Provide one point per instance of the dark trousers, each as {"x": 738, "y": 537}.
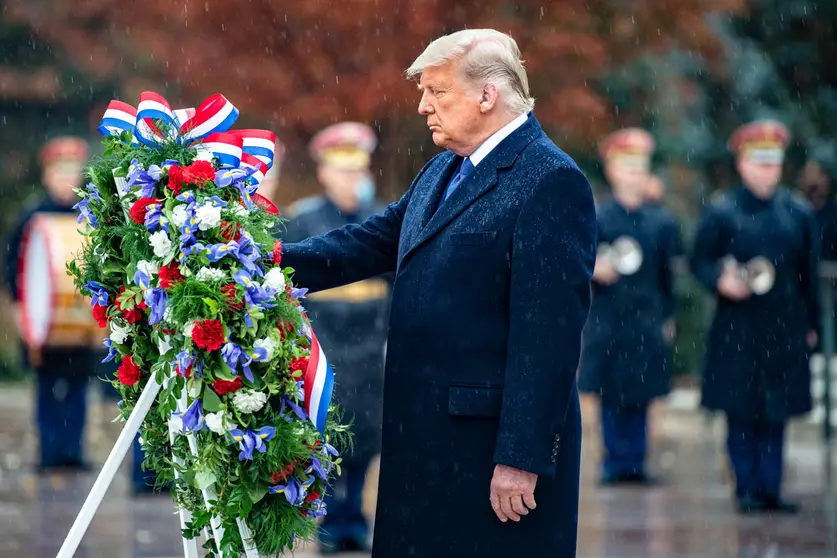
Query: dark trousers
{"x": 624, "y": 437}
{"x": 344, "y": 518}
{"x": 61, "y": 411}
{"x": 755, "y": 451}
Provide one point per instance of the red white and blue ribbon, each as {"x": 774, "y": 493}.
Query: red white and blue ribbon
{"x": 252, "y": 162}
{"x": 154, "y": 122}
{"x": 318, "y": 384}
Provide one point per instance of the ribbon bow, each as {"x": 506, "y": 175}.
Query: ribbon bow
{"x": 208, "y": 127}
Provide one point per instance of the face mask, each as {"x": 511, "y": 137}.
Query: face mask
{"x": 365, "y": 191}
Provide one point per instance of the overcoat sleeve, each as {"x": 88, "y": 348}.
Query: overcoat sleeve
{"x": 672, "y": 248}
{"x": 553, "y": 256}
{"x": 13, "y": 251}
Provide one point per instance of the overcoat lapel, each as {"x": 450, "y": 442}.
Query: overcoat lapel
{"x": 477, "y": 184}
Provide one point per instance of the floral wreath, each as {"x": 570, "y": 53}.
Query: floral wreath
{"x": 180, "y": 262}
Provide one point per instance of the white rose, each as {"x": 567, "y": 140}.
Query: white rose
{"x": 204, "y": 154}
{"x": 219, "y": 423}
{"x": 149, "y": 268}
{"x": 267, "y": 344}
{"x": 274, "y": 279}
{"x": 208, "y": 216}
{"x": 164, "y": 345}
{"x": 187, "y": 331}
{"x": 249, "y": 401}
{"x": 161, "y": 244}
{"x": 207, "y": 274}
{"x": 118, "y": 334}
{"x": 179, "y": 215}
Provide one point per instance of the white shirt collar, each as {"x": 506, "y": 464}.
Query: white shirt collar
{"x": 494, "y": 140}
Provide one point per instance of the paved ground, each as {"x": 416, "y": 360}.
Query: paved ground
{"x": 689, "y": 517}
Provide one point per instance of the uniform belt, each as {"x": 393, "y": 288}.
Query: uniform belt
{"x": 361, "y": 291}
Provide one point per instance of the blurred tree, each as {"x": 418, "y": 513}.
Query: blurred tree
{"x": 300, "y": 65}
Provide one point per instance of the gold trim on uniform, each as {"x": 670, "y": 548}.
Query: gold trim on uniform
{"x": 361, "y": 291}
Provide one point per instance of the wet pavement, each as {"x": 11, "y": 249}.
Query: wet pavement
{"x": 689, "y": 516}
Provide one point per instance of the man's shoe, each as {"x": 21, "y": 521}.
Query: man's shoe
{"x": 776, "y": 504}
{"x": 750, "y": 504}
{"x": 643, "y": 479}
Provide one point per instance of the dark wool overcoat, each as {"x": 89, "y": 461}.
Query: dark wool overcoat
{"x": 491, "y": 293}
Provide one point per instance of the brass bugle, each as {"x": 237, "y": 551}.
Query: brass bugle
{"x": 758, "y": 273}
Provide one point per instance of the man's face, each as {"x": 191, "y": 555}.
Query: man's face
{"x": 760, "y": 178}
{"x": 451, "y": 107}
{"x": 60, "y": 178}
{"x": 627, "y": 176}
{"x": 340, "y": 183}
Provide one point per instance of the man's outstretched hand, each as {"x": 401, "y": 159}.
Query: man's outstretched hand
{"x": 512, "y": 492}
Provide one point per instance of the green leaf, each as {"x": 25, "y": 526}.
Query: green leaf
{"x": 189, "y": 476}
{"x": 257, "y": 492}
{"x": 204, "y": 479}
{"x": 211, "y": 304}
{"x": 211, "y": 401}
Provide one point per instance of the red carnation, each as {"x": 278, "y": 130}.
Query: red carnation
{"x": 133, "y": 315}
{"x": 140, "y": 208}
{"x": 299, "y": 366}
{"x": 170, "y": 275}
{"x": 100, "y": 314}
{"x": 128, "y": 373}
{"x": 199, "y": 173}
{"x": 280, "y": 476}
{"x": 223, "y": 387}
{"x": 208, "y": 334}
{"x": 175, "y": 179}
{"x": 232, "y": 296}
{"x": 313, "y": 495}
{"x": 230, "y": 231}
{"x": 277, "y": 252}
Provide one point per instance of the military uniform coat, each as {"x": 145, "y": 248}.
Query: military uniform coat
{"x": 756, "y": 364}
{"x": 625, "y": 358}
{"x": 351, "y": 325}
{"x": 491, "y": 294}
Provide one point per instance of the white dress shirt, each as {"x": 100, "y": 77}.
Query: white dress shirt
{"x": 494, "y": 140}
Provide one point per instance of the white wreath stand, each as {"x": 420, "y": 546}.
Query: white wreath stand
{"x": 111, "y": 466}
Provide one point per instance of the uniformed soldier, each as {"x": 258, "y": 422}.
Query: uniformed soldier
{"x": 814, "y": 182}
{"x": 350, "y": 321}
{"x": 62, "y": 374}
{"x": 756, "y": 250}
{"x": 624, "y": 352}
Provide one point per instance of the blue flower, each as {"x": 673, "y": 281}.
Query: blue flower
{"x": 184, "y": 361}
{"x": 298, "y": 411}
{"x": 139, "y": 177}
{"x": 154, "y": 218}
{"x": 156, "y": 300}
{"x": 85, "y": 215}
{"x": 292, "y": 490}
{"x": 234, "y": 355}
{"x": 156, "y": 171}
{"x": 298, "y": 293}
{"x": 193, "y": 417}
{"x": 142, "y": 280}
{"x": 225, "y": 177}
{"x": 111, "y": 351}
{"x": 316, "y": 467}
{"x": 93, "y": 193}
{"x": 249, "y": 441}
{"x": 98, "y": 293}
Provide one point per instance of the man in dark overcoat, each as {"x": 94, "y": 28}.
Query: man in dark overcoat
{"x": 625, "y": 355}
{"x": 756, "y": 250}
{"x": 63, "y": 374}
{"x": 493, "y": 247}
{"x": 351, "y": 321}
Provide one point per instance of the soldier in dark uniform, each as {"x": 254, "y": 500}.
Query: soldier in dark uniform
{"x": 756, "y": 250}
{"x": 62, "y": 374}
{"x": 625, "y": 353}
{"x": 351, "y": 321}
{"x": 814, "y": 183}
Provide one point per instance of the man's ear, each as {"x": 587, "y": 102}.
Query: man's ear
{"x": 489, "y": 98}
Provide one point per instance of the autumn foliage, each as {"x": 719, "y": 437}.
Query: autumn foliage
{"x": 302, "y": 64}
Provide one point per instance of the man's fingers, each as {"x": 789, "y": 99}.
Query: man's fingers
{"x": 506, "y": 506}
{"x": 529, "y": 500}
{"x": 517, "y": 505}
{"x": 495, "y": 505}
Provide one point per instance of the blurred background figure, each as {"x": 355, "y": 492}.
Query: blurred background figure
{"x": 756, "y": 248}
{"x": 655, "y": 189}
{"x": 62, "y": 373}
{"x": 814, "y": 182}
{"x": 351, "y": 321}
{"x": 625, "y": 346}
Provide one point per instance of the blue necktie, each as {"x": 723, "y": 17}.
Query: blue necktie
{"x": 464, "y": 170}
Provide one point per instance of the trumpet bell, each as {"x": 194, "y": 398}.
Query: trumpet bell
{"x": 761, "y": 275}
{"x": 626, "y": 255}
